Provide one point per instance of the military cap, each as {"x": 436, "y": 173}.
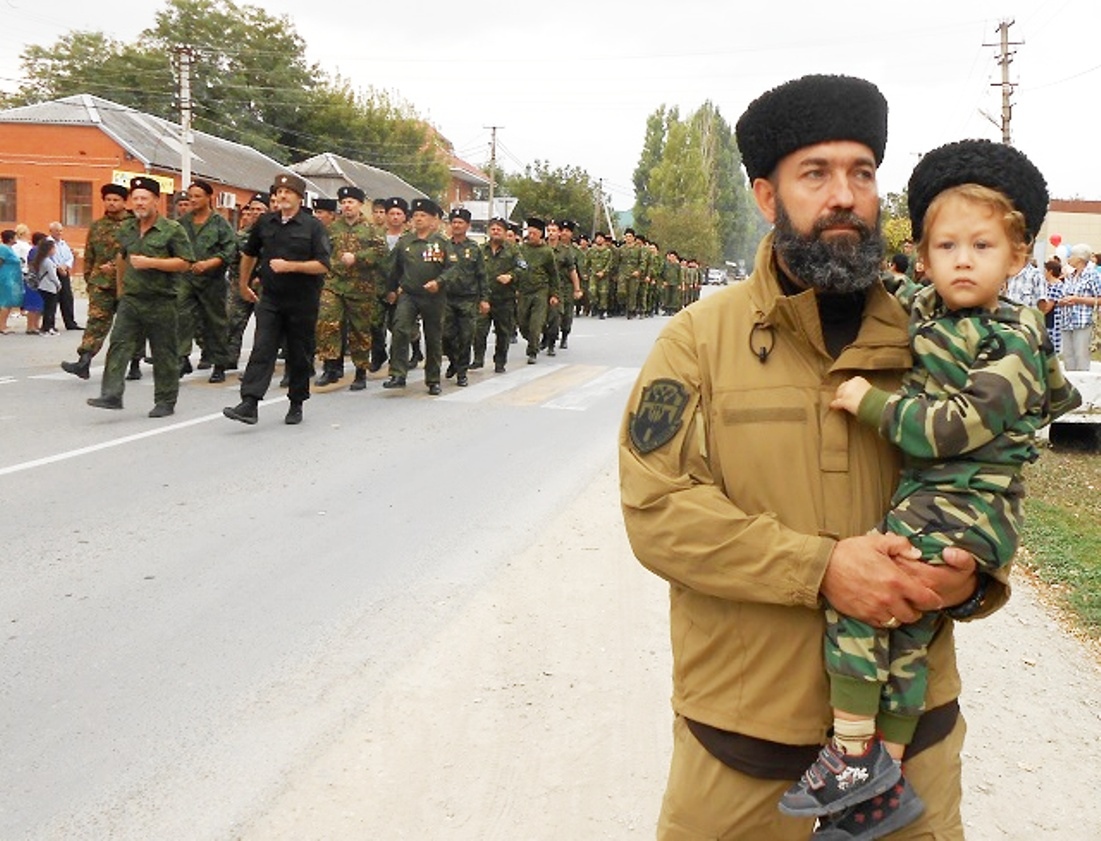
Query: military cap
{"x": 144, "y": 183}
{"x": 536, "y": 222}
{"x": 994, "y": 165}
{"x": 325, "y": 204}
{"x": 806, "y": 111}
{"x": 262, "y": 198}
{"x": 350, "y": 191}
{"x": 568, "y": 224}
{"x": 113, "y": 190}
{"x": 398, "y": 202}
{"x": 459, "y": 213}
{"x": 497, "y": 220}
{"x": 205, "y": 186}
{"x": 516, "y": 228}
{"x": 291, "y": 182}
{"x": 426, "y": 206}
{"x": 180, "y": 196}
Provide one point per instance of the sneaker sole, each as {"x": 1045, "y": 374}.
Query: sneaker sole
{"x": 904, "y": 816}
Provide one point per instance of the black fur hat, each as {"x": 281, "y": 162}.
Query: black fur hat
{"x": 813, "y": 109}
{"x": 994, "y": 165}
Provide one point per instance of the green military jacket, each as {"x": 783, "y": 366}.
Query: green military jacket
{"x": 565, "y": 260}
{"x": 540, "y": 271}
{"x": 417, "y": 261}
{"x": 469, "y": 279}
{"x": 235, "y": 266}
{"x": 214, "y": 238}
{"x": 164, "y": 239}
{"x": 630, "y": 260}
{"x": 367, "y": 241}
{"x": 506, "y": 260}
{"x": 102, "y": 247}
{"x": 600, "y": 262}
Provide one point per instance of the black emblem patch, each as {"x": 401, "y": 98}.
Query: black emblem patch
{"x": 659, "y": 414}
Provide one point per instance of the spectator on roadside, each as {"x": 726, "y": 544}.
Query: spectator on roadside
{"x": 32, "y": 298}
{"x": 11, "y": 280}
{"x": 43, "y": 270}
{"x": 1053, "y": 273}
{"x": 1075, "y": 298}
{"x": 63, "y": 259}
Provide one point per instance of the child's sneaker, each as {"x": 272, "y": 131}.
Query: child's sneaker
{"x": 837, "y": 780}
{"x": 882, "y": 815}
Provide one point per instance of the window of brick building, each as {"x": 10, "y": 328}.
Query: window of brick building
{"x": 76, "y": 204}
{"x": 7, "y": 202}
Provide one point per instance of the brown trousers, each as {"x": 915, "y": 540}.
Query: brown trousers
{"x": 708, "y": 801}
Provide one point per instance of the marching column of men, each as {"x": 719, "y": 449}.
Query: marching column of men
{"x": 334, "y": 280}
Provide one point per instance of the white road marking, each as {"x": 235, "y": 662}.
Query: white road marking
{"x": 118, "y": 442}
{"x": 8, "y": 380}
{"x": 581, "y": 398}
{"x": 500, "y": 383}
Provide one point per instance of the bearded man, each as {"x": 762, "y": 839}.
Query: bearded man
{"x": 754, "y": 500}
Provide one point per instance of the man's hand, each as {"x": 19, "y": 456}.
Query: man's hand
{"x": 432, "y": 286}
{"x": 279, "y": 265}
{"x": 391, "y": 297}
{"x": 504, "y": 279}
{"x": 553, "y": 301}
{"x": 869, "y": 578}
{"x": 248, "y": 294}
{"x": 483, "y": 307}
{"x": 348, "y": 258}
{"x": 954, "y": 581}
{"x": 140, "y": 261}
{"x": 850, "y": 393}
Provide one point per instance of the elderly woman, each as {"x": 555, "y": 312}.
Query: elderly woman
{"x": 1075, "y": 298}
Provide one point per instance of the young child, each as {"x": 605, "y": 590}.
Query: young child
{"x": 985, "y": 379}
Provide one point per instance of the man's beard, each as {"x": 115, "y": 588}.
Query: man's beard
{"x": 839, "y": 264}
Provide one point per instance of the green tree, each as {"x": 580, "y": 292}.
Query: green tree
{"x": 894, "y": 220}
{"x": 562, "y": 193}
{"x": 652, "y": 147}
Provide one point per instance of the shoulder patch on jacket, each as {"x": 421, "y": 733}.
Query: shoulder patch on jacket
{"x": 658, "y": 419}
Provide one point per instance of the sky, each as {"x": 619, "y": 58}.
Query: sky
{"x": 572, "y": 83}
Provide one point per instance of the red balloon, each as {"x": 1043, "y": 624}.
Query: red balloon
{"x": 1055, "y": 239}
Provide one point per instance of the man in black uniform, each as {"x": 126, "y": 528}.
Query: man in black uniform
{"x": 293, "y": 250}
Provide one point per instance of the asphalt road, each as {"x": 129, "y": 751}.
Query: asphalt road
{"x": 192, "y": 606}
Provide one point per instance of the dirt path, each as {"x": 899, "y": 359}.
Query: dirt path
{"x": 542, "y": 713}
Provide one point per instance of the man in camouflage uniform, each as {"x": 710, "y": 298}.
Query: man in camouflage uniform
{"x": 600, "y": 272}
{"x": 238, "y": 310}
{"x": 502, "y": 262}
{"x": 153, "y": 250}
{"x": 202, "y": 291}
{"x": 395, "y": 217}
{"x": 670, "y": 283}
{"x": 100, "y": 251}
{"x": 467, "y": 296}
{"x": 350, "y": 293}
{"x": 570, "y": 301}
{"x": 565, "y": 260}
{"x": 630, "y": 273}
{"x": 417, "y": 282}
{"x": 538, "y": 285}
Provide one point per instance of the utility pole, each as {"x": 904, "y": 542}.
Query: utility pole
{"x": 598, "y": 197}
{"x": 184, "y": 54}
{"x": 492, "y": 166}
{"x": 1005, "y": 57}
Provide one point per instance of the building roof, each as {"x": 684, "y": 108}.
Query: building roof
{"x": 331, "y": 172}
{"x": 155, "y": 142}
{"x": 463, "y": 171}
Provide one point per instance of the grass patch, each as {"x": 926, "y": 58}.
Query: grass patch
{"x": 1062, "y": 534}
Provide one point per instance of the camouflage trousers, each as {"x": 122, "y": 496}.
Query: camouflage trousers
{"x": 102, "y": 303}
{"x": 201, "y": 300}
{"x": 598, "y": 293}
{"x": 671, "y": 297}
{"x": 339, "y": 311}
{"x": 884, "y": 673}
{"x": 238, "y": 312}
{"x": 136, "y": 320}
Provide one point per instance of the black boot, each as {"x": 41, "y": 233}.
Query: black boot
{"x": 294, "y": 413}
{"x": 218, "y": 375}
{"x": 245, "y": 411}
{"x": 81, "y": 368}
{"x": 331, "y": 372}
{"x": 134, "y": 373}
{"x": 185, "y": 366}
{"x": 360, "y": 382}
{"x": 564, "y": 344}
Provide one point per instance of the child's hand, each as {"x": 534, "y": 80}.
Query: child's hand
{"x": 850, "y": 393}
